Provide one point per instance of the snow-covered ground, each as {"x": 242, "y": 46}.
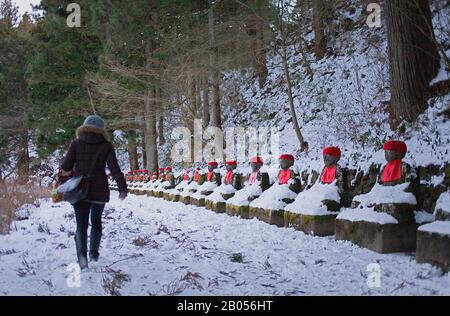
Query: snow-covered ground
{"x": 155, "y": 247}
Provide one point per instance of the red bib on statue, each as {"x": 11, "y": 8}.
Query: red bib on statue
{"x": 253, "y": 177}
{"x": 186, "y": 177}
{"x": 392, "y": 171}
{"x": 229, "y": 177}
{"x": 284, "y": 176}
{"x": 210, "y": 176}
{"x": 196, "y": 176}
{"x": 329, "y": 174}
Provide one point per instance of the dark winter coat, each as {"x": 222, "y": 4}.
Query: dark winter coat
{"x": 80, "y": 157}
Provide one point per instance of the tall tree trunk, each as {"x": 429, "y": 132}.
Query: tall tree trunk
{"x": 206, "y": 108}
{"x": 106, "y": 7}
{"x": 23, "y": 163}
{"x": 255, "y": 30}
{"x": 150, "y": 133}
{"x": 142, "y": 144}
{"x": 413, "y": 56}
{"x": 319, "y": 14}
{"x": 216, "y": 119}
{"x": 150, "y": 117}
{"x": 301, "y": 139}
{"x": 132, "y": 150}
{"x": 161, "y": 137}
{"x": 193, "y": 106}
{"x": 261, "y": 61}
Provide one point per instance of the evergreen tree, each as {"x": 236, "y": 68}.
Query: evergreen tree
{"x": 56, "y": 75}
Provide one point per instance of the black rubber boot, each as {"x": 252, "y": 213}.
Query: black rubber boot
{"x": 81, "y": 245}
{"x": 96, "y": 237}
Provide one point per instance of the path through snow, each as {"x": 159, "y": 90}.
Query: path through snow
{"x": 155, "y": 247}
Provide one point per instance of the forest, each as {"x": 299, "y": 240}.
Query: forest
{"x": 253, "y": 147}
{"x": 148, "y": 66}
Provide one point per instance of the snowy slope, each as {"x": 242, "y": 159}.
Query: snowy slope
{"x": 189, "y": 250}
{"x": 344, "y": 104}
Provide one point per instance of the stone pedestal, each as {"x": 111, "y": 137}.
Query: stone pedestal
{"x": 197, "y": 202}
{"x": 167, "y": 196}
{"x": 271, "y": 217}
{"x": 218, "y": 207}
{"x": 242, "y": 211}
{"x": 381, "y": 238}
{"x": 174, "y": 197}
{"x": 254, "y": 212}
{"x": 140, "y": 192}
{"x": 403, "y": 213}
{"x": 311, "y": 224}
{"x": 185, "y": 199}
{"x": 158, "y": 194}
{"x": 434, "y": 248}
{"x": 208, "y": 204}
{"x": 149, "y": 192}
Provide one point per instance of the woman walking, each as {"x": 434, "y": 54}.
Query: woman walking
{"x": 89, "y": 153}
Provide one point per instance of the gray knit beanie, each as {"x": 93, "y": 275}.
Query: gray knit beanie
{"x": 94, "y": 120}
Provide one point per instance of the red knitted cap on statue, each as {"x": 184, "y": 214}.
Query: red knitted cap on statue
{"x": 287, "y": 157}
{"x": 257, "y": 159}
{"x": 231, "y": 163}
{"x": 160, "y": 169}
{"x": 332, "y": 151}
{"x": 213, "y": 163}
{"x": 397, "y": 146}
{"x": 145, "y": 171}
{"x": 168, "y": 168}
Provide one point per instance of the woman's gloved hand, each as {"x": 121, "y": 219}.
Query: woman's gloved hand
{"x": 123, "y": 195}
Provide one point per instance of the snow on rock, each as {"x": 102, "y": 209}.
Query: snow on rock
{"x": 216, "y": 196}
{"x": 191, "y": 186}
{"x": 166, "y": 248}
{"x": 443, "y": 73}
{"x": 438, "y": 227}
{"x": 443, "y": 203}
{"x": 165, "y": 184}
{"x": 424, "y": 217}
{"x": 272, "y": 198}
{"x": 434, "y": 181}
{"x": 310, "y": 202}
{"x": 154, "y": 185}
{"x": 381, "y": 194}
{"x": 241, "y": 198}
{"x": 182, "y": 186}
{"x": 367, "y": 215}
{"x": 205, "y": 187}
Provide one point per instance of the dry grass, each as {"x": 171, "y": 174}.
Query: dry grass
{"x": 13, "y": 196}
